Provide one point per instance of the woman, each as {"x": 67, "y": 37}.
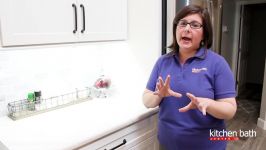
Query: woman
{"x": 201, "y": 92}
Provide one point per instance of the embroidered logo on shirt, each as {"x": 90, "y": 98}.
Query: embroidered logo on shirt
{"x": 198, "y": 70}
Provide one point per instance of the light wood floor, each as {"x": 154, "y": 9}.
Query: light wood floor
{"x": 246, "y": 119}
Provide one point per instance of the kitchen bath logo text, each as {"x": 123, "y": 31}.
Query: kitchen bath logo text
{"x": 227, "y": 135}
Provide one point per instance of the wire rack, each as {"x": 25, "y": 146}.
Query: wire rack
{"x": 25, "y": 108}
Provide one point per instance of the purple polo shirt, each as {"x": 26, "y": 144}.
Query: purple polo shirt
{"x": 208, "y": 75}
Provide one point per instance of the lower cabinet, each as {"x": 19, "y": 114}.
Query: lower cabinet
{"x": 141, "y": 135}
{"x": 148, "y": 144}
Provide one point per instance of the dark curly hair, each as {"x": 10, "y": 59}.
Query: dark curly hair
{"x": 206, "y": 22}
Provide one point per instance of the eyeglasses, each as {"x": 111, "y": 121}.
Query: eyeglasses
{"x": 193, "y": 24}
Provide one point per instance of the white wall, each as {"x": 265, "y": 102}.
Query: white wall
{"x": 57, "y": 69}
{"x": 145, "y": 31}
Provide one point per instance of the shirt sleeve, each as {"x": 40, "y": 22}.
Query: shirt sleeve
{"x": 224, "y": 84}
{"x": 151, "y": 85}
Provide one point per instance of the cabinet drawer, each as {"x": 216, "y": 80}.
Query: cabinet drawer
{"x": 147, "y": 144}
{"x": 133, "y": 135}
{"x": 140, "y": 142}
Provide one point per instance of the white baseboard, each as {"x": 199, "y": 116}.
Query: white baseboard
{"x": 261, "y": 123}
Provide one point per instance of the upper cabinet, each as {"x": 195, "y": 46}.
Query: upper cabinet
{"x": 30, "y": 22}
{"x": 104, "y": 19}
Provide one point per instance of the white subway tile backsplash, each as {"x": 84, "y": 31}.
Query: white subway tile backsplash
{"x": 60, "y": 69}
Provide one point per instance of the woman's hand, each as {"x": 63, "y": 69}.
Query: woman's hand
{"x": 163, "y": 88}
{"x": 152, "y": 99}
{"x": 197, "y": 102}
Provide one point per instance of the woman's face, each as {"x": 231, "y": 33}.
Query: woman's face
{"x": 189, "y": 36}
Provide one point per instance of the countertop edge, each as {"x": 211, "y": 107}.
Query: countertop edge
{"x": 102, "y": 135}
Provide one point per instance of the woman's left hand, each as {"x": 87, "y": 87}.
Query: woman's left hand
{"x": 197, "y": 102}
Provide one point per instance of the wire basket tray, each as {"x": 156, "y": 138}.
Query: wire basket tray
{"x": 25, "y": 108}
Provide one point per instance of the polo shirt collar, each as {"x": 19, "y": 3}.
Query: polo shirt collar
{"x": 201, "y": 53}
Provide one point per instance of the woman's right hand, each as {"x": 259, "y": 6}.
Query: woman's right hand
{"x": 163, "y": 89}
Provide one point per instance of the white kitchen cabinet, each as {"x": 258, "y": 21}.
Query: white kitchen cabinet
{"x": 104, "y": 20}
{"x": 141, "y": 135}
{"x": 29, "y": 22}
{"x": 25, "y": 22}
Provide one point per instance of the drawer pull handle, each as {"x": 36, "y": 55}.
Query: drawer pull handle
{"x": 83, "y": 16}
{"x": 123, "y": 143}
{"x": 75, "y": 18}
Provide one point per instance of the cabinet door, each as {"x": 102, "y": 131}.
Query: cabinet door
{"x": 104, "y": 20}
{"x": 148, "y": 144}
{"x": 26, "y": 22}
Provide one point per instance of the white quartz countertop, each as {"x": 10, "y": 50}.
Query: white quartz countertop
{"x": 72, "y": 126}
